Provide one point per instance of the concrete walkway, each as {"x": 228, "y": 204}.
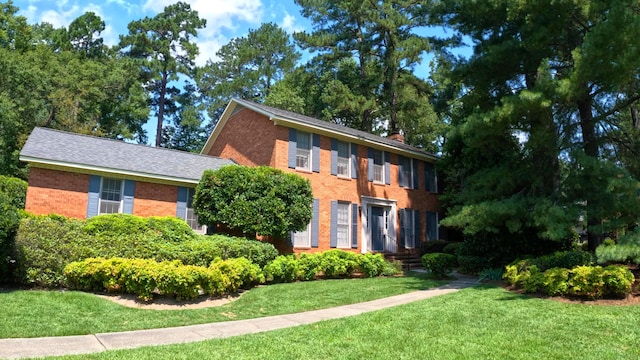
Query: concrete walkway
{"x": 85, "y": 344}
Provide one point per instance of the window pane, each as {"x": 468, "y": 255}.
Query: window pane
{"x": 343, "y": 225}
{"x": 378, "y": 166}
{"x": 110, "y": 196}
{"x": 190, "y": 215}
{"x": 302, "y": 238}
{"x": 303, "y": 151}
{"x": 408, "y": 229}
{"x": 343, "y": 158}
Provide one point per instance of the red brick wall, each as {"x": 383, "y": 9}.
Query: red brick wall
{"x": 155, "y": 199}
{"x": 252, "y": 139}
{"x": 247, "y": 138}
{"x": 57, "y": 192}
{"x": 66, "y": 193}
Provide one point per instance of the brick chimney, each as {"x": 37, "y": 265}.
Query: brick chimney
{"x": 396, "y": 136}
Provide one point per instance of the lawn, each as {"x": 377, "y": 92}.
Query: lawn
{"x": 476, "y": 323}
{"x": 34, "y": 313}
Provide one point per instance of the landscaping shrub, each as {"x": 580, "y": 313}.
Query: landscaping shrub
{"x": 243, "y": 274}
{"x": 627, "y": 250}
{"x": 309, "y": 266}
{"x": 371, "y": 265}
{"x": 563, "y": 259}
{"x": 433, "y": 246}
{"x": 452, "y": 248}
{"x": 259, "y": 252}
{"x": 331, "y": 264}
{"x": 144, "y": 277}
{"x": 336, "y": 264}
{"x": 9, "y": 221}
{"x": 12, "y": 197}
{"x": 471, "y": 264}
{"x": 15, "y": 189}
{"x": 118, "y": 225}
{"x": 581, "y": 281}
{"x": 285, "y": 268}
{"x": 255, "y": 200}
{"x": 439, "y": 264}
{"x": 45, "y": 244}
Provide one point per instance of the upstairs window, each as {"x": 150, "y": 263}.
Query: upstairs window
{"x": 430, "y": 178}
{"x": 378, "y": 166}
{"x": 343, "y": 159}
{"x": 303, "y": 151}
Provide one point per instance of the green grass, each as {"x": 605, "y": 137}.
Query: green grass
{"x": 476, "y": 323}
{"x": 31, "y": 313}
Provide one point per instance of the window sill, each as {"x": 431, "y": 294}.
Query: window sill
{"x": 306, "y": 171}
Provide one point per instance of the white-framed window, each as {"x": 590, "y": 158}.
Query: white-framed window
{"x": 110, "y": 196}
{"x": 343, "y": 225}
{"x": 303, "y": 151}
{"x": 190, "y": 215}
{"x": 344, "y": 159}
{"x": 378, "y": 166}
{"x": 302, "y": 239}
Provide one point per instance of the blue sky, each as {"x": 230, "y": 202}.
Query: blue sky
{"x": 226, "y": 19}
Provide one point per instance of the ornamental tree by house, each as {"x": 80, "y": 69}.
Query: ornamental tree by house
{"x": 255, "y": 200}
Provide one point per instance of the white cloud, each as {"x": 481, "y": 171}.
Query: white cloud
{"x": 289, "y": 25}
{"x": 59, "y": 18}
{"x": 218, "y": 13}
{"x": 221, "y": 15}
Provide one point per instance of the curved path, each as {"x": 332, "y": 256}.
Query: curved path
{"x": 85, "y": 344}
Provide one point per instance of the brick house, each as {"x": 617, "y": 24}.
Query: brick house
{"x": 370, "y": 193}
{"x": 81, "y": 176}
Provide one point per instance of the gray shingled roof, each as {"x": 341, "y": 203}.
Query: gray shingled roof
{"x": 302, "y": 119}
{"x": 89, "y": 152}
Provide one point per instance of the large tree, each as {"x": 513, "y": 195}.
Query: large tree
{"x": 538, "y": 97}
{"x": 247, "y": 67}
{"x": 165, "y": 48}
{"x": 384, "y": 40}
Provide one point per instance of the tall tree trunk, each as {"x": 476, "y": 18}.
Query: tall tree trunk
{"x": 163, "y": 91}
{"x": 590, "y": 147}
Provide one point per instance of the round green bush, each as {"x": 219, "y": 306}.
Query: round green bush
{"x": 439, "y": 264}
{"x": 285, "y": 268}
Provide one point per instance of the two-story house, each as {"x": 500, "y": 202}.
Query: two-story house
{"x": 371, "y": 193}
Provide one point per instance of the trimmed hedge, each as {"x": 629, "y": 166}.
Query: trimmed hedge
{"x": 15, "y": 189}
{"x": 433, "y": 246}
{"x": 145, "y": 277}
{"x": 439, "y": 264}
{"x": 592, "y": 282}
{"x": 332, "y": 264}
{"x": 45, "y": 244}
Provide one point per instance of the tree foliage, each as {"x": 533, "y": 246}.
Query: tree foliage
{"x": 165, "y": 48}
{"x": 247, "y": 67}
{"x": 259, "y": 200}
{"x": 367, "y": 51}
{"x": 538, "y": 105}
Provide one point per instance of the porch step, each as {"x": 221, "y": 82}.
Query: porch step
{"x": 409, "y": 261}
